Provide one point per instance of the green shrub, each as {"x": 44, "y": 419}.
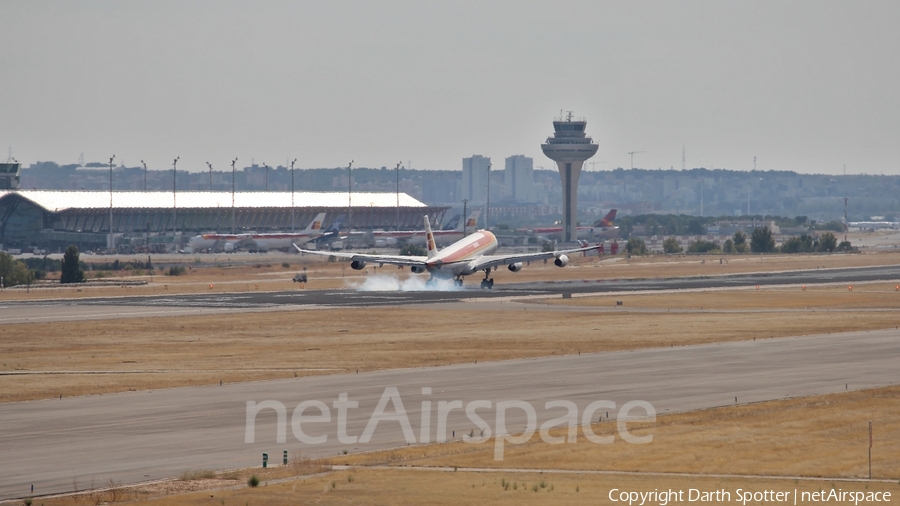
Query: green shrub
{"x": 176, "y": 270}
{"x": 703, "y": 247}
{"x": 70, "y": 267}
{"x": 636, "y": 247}
{"x": 253, "y": 481}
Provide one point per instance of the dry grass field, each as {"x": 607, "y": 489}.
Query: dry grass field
{"x": 41, "y": 360}
{"x": 371, "y": 487}
{"x": 823, "y": 436}
{"x": 267, "y": 273}
{"x": 870, "y": 296}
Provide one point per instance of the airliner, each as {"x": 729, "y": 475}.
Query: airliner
{"x": 466, "y": 256}
{"x": 603, "y": 229}
{"x": 873, "y": 225}
{"x": 278, "y": 240}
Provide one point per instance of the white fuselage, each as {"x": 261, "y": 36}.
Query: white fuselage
{"x": 259, "y": 241}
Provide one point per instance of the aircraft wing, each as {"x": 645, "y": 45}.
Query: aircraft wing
{"x": 363, "y": 257}
{"x": 486, "y": 261}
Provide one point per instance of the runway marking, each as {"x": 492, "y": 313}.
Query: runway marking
{"x": 170, "y": 371}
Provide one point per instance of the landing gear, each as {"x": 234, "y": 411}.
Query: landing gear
{"x": 487, "y": 282}
{"x": 458, "y": 281}
{"x": 431, "y": 282}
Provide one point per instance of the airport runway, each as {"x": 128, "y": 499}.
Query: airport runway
{"x": 139, "y": 436}
{"x": 176, "y": 305}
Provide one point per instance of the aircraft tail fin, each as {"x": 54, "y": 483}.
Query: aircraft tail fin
{"x": 607, "y": 220}
{"x": 429, "y": 239}
{"x": 453, "y": 223}
{"x": 335, "y": 225}
{"x": 316, "y": 223}
{"x": 472, "y": 221}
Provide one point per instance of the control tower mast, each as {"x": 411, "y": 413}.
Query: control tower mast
{"x": 569, "y": 148}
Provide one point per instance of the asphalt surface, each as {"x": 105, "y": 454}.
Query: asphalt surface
{"x": 10, "y": 312}
{"x": 138, "y": 436}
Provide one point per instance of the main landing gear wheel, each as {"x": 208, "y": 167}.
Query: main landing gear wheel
{"x": 487, "y": 282}
{"x": 458, "y": 282}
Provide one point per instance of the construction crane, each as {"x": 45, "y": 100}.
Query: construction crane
{"x": 632, "y": 153}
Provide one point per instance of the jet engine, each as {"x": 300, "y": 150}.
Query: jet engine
{"x": 516, "y": 267}
{"x": 358, "y": 265}
{"x": 561, "y": 261}
{"x": 417, "y": 269}
{"x": 229, "y": 247}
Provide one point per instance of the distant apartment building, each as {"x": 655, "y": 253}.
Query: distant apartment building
{"x": 519, "y": 179}
{"x": 475, "y": 179}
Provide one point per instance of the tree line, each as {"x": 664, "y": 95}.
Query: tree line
{"x": 681, "y": 224}
{"x": 760, "y": 240}
{"x": 25, "y": 271}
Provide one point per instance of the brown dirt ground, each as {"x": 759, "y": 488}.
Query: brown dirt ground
{"x": 78, "y": 358}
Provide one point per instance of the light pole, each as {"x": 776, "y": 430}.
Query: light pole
{"x": 145, "y": 174}
{"x": 487, "y": 207}
{"x": 112, "y": 239}
{"x": 349, "y": 196}
{"x": 292, "y": 193}
{"x": 210, "y": 175}
{"x": 232, "y": 193}
{"x": 397, "y": 170}
{"x": 464, "y": 217}
{"x": 174, "y": 199}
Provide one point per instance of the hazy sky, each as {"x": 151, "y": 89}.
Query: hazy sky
{"x": 804, "y": 86}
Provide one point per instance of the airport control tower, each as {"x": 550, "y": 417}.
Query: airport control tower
{"x": 569, "y": 148}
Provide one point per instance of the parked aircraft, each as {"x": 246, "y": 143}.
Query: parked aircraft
{"x": 874, "y": 225}
{"x": 466, "y": 256}
{"x": 454, "y": 232}
{"x": 264, "y": 242}
{"x": 603, "y": 229}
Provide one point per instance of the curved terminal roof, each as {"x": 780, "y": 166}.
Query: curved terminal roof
{"x": 58, "y": 201}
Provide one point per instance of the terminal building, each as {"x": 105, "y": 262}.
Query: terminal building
{"x": 157, "y": 221}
